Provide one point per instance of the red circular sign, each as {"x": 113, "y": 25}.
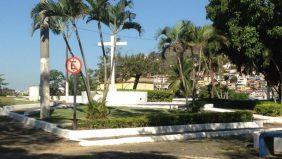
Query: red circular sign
{"x": 74, "y": 65}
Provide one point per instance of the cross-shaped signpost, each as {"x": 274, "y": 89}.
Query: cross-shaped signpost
{"x": 111, "y": 44}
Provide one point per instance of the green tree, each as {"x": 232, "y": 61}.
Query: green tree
{"x": 72, "y": 11}
{"x": 254, "y": 32}
{"x": 98, "y": 11}
{"x": 56, "y": 82}
{"x": 177, "y": 40}
{"x": 80, "y": 84}
{"x": 118, "y": 18}
{"x": 175, "y": 78}
{"x": 137, "y": 66}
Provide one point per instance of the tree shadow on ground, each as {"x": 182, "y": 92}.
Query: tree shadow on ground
{"x": 13, "y": 133}
{"x": 18, "y": 153}
{"x": 240, "y": 147}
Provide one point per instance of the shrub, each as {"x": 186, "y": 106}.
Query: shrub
{"x": 195, "y": 106}
{"x": 238, "y": 96}
{"x": 139, "y": 121}
{"x": 269, "y": 109}
{"x": 234, "y": 104}
{"x": 178, "y": 118}
{"x": 160, "y": 96}
{"x": 205, "y": 93}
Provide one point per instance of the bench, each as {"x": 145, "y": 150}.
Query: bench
{"x": 266, "y": 142}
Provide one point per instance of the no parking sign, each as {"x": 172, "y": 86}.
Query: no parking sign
{"x": 74, "y": 65}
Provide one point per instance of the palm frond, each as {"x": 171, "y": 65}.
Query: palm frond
{"x": 133, "y": 25}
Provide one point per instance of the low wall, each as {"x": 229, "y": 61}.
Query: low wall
{"x": 48, "y": 127}
{"x": 119, "y": 98}
{"x": 172, "y": 137}
{"x": 67, "y": 99}
{"x": 103, "y": 133}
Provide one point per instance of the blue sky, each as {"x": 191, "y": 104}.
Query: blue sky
{"x": 19, "y": 60}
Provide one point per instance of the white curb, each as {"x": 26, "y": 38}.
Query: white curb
{"x": 174, "y": 137}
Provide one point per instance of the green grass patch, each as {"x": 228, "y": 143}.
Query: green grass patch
{"x": 6, "y": 101}
{"x": 66, "y": 115}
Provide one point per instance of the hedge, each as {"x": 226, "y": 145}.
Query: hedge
{"x": 168, "y": 119}
{"x": 160, "y": 96}
{"x": 269, "y": 109}
{"x": 234, "y": 104}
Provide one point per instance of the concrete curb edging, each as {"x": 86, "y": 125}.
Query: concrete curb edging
{"x": 103, "y": 133}
{"x": 48, "y": 127}
{"x": 153, "y": 134}
{"x": 174, "y": 137}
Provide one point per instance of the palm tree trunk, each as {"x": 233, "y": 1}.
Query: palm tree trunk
{"x": 104, "y": 60}
{"x": 88, "y": 91}
{"x": 44, "y": 70}
{"x": 136, "y": 81}
{"x": 67, "y": 77}
{"x": 279, "y": 85}
{"x": 182, "y": 78}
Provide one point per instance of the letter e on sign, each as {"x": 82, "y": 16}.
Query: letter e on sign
{"x": 74, "y": 65}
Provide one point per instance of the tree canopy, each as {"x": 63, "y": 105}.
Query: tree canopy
{"x": 254, "y": 32}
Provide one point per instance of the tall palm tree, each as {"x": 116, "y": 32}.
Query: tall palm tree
{"x": 118, "y": 18}
{"x": 98, "y": 11}
{"x": 201, "y": 38}
{"x": 177, "y": 40}
{"x": 72, "y": 11}
{"x": 41, "y": 21}
{"x": 212, "y": 44}
{"x": 175, "y": 79}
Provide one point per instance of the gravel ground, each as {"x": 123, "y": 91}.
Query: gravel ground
{"x": 19, "y": 142}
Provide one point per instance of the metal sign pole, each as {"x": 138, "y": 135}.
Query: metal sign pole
{"x": 74, "y": 65}
{"x": 74, "y": 101}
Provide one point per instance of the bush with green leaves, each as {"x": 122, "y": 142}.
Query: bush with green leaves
{"x": 269, "y": 109}
{"x": 195, "y": 106}
{"x": 205, "y": 93}
{"x": 176, "y": 118}
{"x": 233, "y": 104}
{"x": 238, "y": 96}
{"x": 160, "y": 96}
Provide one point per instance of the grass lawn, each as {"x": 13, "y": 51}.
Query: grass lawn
{"x": 4, "y": 101}
{"x": 65, "y": 115}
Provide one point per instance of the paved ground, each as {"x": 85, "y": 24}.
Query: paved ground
{"x": 19, "y": 142}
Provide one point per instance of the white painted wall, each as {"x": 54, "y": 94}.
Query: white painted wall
{"x": 33, "y": 93}
{"x": 68, "y": 99}
{"x": 117, "y": 98}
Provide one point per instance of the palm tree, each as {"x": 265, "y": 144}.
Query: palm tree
{"x": 212, "y": 47}
{"x": 41, "y": 21}
{"x": 118, "y": 18}
{"x": 98, "y": 11}
{"x": 200, "y": 39}
{"x": 70, "y": 10}
{"x": 177, "y": 39}
{"x": 74, "y": 10}
{"x": 175, "y": 79}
